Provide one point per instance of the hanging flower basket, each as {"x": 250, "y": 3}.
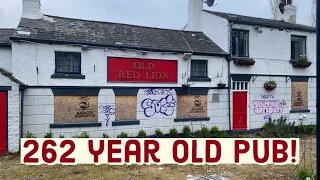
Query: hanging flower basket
{"x": 302, "y": 62}
{"x": 244, "y": 61}
{"x": 270, "y": 85}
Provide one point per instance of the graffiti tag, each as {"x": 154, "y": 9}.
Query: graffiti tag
{"x": 268, "y": 106}
{"x": 108, "y": 111}
{"x": 158, "y": 91}
{"x": 163, "y": 106}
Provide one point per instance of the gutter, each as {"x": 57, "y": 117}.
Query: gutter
{"x": 62, "y": 42}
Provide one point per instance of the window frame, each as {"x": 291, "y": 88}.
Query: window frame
{"x": 305, "y": 45}
{"x": 248, "y": 42}
{"x": 68, "y": 52}
{"x": 191, "y": 72}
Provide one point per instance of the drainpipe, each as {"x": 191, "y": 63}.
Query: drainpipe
{"x": 229, "y": 91}
{"x": 21, "y": 113}
{"x": 229, "y": 74}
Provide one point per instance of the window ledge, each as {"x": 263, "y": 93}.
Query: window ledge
{"x": 125, "y": 123}
{"x": 299, "y": 111}
{"x": 67, "y": 76}
{"x": 200, "y": 79}
{"x": 77, "y": 125}
{"x": 191, "y": 119}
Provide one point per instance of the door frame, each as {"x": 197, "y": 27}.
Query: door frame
{"x": 248, "y": 102}
{"x": 7, "y": 118}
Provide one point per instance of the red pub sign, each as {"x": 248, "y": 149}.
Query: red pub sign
{"x": 142, "y": 70}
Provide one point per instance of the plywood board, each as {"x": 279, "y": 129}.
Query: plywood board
{"x": 192, "y": 106}
{"x": 299, "y": 99}
{"x": 126, "y": 108}
{"x": 75, "y": 109}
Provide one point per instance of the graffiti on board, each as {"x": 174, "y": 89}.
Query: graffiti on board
{"x": 268, "y": 105}
{"x": 108, "y": 111}
{"x": 158, "y": 101}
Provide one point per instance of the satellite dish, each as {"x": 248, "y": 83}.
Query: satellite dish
{"x": 210, "y": 3}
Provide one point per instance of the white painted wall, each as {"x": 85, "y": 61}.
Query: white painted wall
{"x": 281, "y": 93}
{"x": 215, "y": 27}
{"x": 27, "y": 56}
{"x": 39, "y": 114}
{"x": 5, "y": 58}
{"x": 13, "y": 114}
{"x": 271, "y": 50}
{"x": 39, "y": 103}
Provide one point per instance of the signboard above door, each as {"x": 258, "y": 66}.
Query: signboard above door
{"x": 136, "y": 70}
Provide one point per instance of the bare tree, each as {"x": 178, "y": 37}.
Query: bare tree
{"x": 274, "y": 5}
{"x": 314, "y": 13}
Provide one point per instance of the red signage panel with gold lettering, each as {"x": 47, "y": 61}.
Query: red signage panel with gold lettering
{"x": 142, "y": 70}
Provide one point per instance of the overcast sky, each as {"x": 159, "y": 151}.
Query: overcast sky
{"x": 155, "y": 13}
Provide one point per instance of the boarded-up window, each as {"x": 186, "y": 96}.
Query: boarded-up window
{"x": 75, "y": 109}
{"x": 299, "y": 96}
{"x": 126, "y": 108}
{"x": 189, "y": 106}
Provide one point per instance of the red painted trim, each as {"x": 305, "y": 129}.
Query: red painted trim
{"x": 3, "y": 122}
{"x": 240, "y": 110}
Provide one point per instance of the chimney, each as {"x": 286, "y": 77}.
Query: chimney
{"x": 194, "y": 15}
{"x": 290, "y": 14}
{"x": 287, "y": 12}
{"x": 31, "y": 9}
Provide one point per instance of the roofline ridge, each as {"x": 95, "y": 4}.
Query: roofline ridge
{"x": 208, "y": 11}
{"x": 127, "y": 24}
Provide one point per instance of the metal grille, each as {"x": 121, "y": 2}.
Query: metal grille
{"x": 240, "y": 43}
{"x": 68, "y": 62}
{"x": 298, "y": 47}
{"x": 199, "y": 68}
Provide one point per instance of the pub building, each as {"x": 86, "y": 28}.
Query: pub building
{"x": 69, "y": 76}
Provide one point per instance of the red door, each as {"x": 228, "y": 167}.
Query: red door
{"x": 3, "y": 122}
{"x": 240, "y": 110}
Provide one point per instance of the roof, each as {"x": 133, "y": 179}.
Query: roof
{"x": 247, "y": 20}
{"x": 53, "y": 29}
{"x": 5, "y": 36}
{"x": 10, "y": 76}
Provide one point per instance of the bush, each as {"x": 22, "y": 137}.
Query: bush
{"x": 174, "y": 133}
{"x": 304, "y": 174}
{"x": 83, "y": 135}
{"x": 307, "y": 129}
{"x": 216, "y": 133}
{"x": 197, "y": 134}
{"x": 278, "y": 129}
{"x": 205, "y": 132}
{"x": 186, "y": 132}
{"x": 142, "y": 134}
{"x": 104, "y": 135}
{"x": 30, "y": 135}
{"x": 158, "y": 133}
{"x": 123, "y": 135}
{"x": 48, "y": 135}
{"x": 61, "y": 136}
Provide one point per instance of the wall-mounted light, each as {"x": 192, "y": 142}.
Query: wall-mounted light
{"x": 187, "y": 56}
{"x": 258, "y": 29}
